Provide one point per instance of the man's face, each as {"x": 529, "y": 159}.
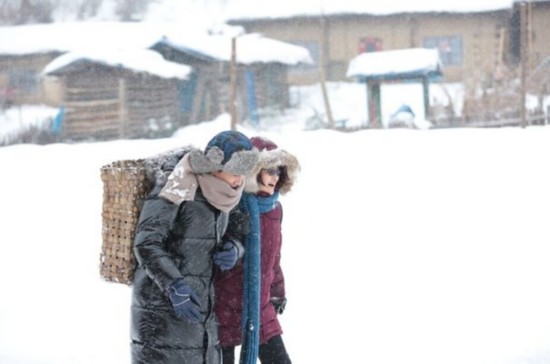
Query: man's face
{"x": 233, "y": 180}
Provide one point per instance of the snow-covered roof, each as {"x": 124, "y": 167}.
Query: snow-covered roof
{"x": 137, "y": 60}
{"x": 396, "y": 64}
{"x": 98, "y": 36}
{"x": 250, "y": 48}
{"x": 253, "y": 9}
{"x": 65, "y": 37}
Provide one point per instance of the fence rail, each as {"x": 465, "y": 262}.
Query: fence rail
{"x": 457, "y": 122}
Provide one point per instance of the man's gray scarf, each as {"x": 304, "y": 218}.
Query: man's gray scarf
{"x": 182, "y": 186}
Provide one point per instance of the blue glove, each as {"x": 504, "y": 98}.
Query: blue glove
{"x": 227, "y": 257}
{"x": 185, "y": 302}
{"x": 279, "y": 303}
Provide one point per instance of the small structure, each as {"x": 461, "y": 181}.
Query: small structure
{"x": 118, "y": 94}
{"x": 26, "y": 49}
{"x": 539, "y": 80}
{"x": 261, "y": 73}
{"x": 405, "y": 65}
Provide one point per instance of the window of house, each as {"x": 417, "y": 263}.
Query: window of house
{"x": 450, "y": 48}
{"x": 23, "y": 81}
{"x": 369, "y": 44}
{"x": 314, "y": 50}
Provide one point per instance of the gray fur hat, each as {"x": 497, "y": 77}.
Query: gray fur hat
{"x": 229, "y": 151}
{"x": 271, "y": 156}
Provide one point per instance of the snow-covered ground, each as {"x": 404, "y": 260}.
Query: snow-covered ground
{"x": 400, "y": 245}
{"x": 348, "y": 102}
{"x": 17, "y": 119}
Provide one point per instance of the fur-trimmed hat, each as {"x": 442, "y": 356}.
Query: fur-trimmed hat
{"x": 229, "y": 151}
{"x": 271, "y": 156}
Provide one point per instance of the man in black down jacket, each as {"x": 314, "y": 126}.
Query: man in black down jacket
{"x": 177, "y": 243}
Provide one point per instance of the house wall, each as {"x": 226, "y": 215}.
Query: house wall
{"x": 105, "y": 104}
{"x": 485, "y": 38}
{"x": 271, "y": 86}
{"x": 51, "y": 89}
{"x": 21, "y": 76}
{"x": 151, "y": 105}
{"x": 204, "y": 92}
{"x": 299, "y": 31}
{"x": 540, "y": 36}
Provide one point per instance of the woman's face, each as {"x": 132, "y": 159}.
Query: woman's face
{"x": 268, "y": 179}
{"x": 234, "y": 180}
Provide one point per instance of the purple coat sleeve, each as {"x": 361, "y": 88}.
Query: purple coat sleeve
{"x": 278, "y": 284}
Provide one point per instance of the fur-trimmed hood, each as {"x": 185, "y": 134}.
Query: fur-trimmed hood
{"x": 160, "y": 166}
{"x": 271, "y": 156}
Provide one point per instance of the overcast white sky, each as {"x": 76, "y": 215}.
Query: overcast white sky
{"x": 285, "y": 8}
{"x": 213, "y": 11}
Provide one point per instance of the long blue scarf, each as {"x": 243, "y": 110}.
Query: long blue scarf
{"x": 253, "y": 205}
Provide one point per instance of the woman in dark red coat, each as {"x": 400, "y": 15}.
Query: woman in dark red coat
{"x": 275, "y": 174}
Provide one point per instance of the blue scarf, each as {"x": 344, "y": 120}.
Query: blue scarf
{"x": 253, "y": 205}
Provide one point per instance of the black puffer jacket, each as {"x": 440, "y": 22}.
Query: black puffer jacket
{"x": 174, "y": 242}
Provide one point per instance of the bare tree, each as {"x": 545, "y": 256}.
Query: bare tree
{"x": 130, "y": 9}
{"x": 15, "y": 12}
{"x": 87, "y": 8}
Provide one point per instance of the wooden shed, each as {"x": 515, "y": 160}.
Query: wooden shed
{"x": 115, "y": 95}
{"x": 404, "y": 65}
{"x": 262, "y": 68}
{"x": 26, "y": 49}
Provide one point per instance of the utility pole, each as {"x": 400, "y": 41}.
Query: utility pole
{"x": 322, "y": 61}
{"x": 233, "y": 79}
{"x": 524, "y": 61}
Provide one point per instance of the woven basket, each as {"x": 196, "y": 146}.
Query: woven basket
{"x": 125, "y": 185}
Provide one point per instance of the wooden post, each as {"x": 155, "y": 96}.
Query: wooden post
{"x": 426, "y": 93}
{"x": 524, "y": 62}
{"x": 373, "y": 97}
{"x": 500, "y": 53}
{"x": 233, "y": 78}
{"x": 200, "y": 92}
{"x": 322, "y": 71}
{"x": 122, "y": 108}
{"x": 529, "y": 34}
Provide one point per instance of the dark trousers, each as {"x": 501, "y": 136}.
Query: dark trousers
{"x": 272, "y": 352}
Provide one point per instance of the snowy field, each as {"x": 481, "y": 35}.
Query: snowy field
{"x": 400, "y": 246}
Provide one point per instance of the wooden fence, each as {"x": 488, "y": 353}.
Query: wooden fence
{"x": 539, "y": 118}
